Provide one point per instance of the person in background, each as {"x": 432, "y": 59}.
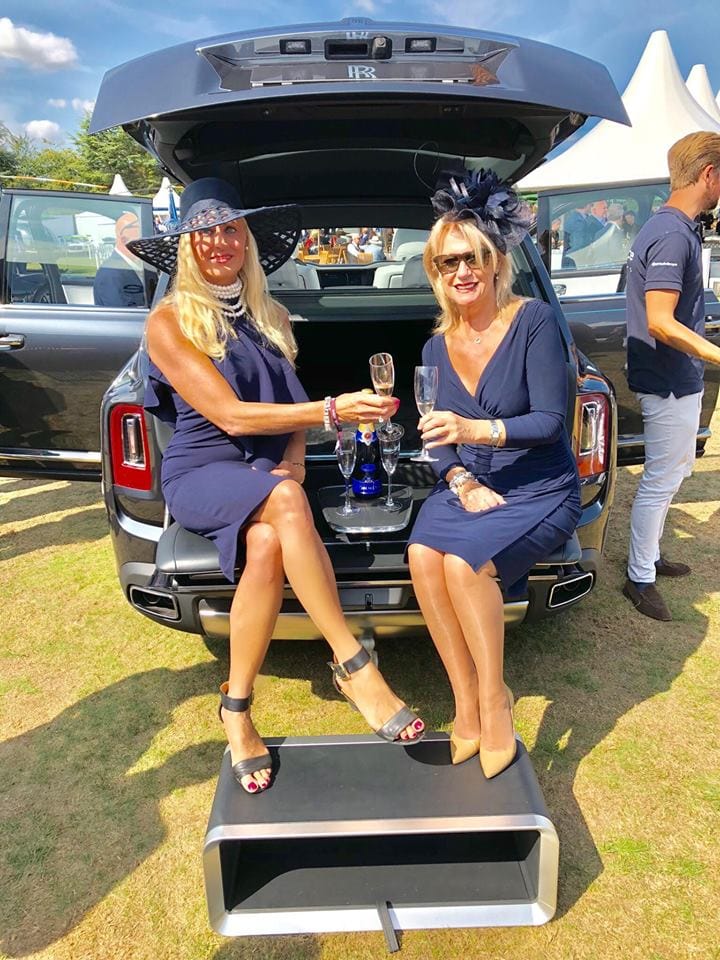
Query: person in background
{"x": 630, "y": 225}
{"x": 576, "y": 233}
{"x": 119, "y": 281}
{"x": 666, "y": 347}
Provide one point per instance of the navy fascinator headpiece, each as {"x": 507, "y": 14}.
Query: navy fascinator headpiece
{"x": 493, "y": 205}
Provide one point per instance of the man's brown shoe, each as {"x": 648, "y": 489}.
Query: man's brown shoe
{"x": 647, "y": 601}
{"x": 666, "y": 568}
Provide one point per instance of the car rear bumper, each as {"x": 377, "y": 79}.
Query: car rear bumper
{"x": 386, "y": 608}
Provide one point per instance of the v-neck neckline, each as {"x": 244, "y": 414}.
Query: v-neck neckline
{"x": 498, "y": 348}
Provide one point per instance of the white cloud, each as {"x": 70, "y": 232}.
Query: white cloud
{"x": 57, "y": 103}
{"x": 43, "y": 130}
{"x": 37, "y": 50}
{"x": 83, "y": 106}
{"x": 367, "y": 6}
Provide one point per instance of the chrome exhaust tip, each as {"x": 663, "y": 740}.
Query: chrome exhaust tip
{"x": 570, "y": 590}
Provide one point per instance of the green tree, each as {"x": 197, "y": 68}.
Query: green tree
{"x": 113, "y": 151}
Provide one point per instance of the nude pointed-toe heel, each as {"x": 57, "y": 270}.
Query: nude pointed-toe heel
{"x": 461, "y": 749}
{"x": 494, "y": 762}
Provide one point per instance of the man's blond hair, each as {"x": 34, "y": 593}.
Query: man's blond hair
{"x": 690, "y": 155}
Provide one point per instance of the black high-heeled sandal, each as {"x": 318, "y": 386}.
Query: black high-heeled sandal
{"x": 244, "y": 768}
{"x": 392, "y": 728}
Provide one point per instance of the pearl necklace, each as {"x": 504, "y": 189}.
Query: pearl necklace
{"x": 228, "y": 291}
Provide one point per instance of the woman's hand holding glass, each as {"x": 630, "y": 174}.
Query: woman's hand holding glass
{"x": 361, "y": 407}
{"x": 443, "y": 427}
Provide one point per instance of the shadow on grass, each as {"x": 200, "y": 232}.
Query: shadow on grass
{"x": 89, "y": 524}
{"x": 75, "y": 823}
{"x": 86, "y": 522}
{"x": 37, "y": 501}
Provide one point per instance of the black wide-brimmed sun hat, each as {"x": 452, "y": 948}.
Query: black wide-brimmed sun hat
{"x": 210, "y": 202}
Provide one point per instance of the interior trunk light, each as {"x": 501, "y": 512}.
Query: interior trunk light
{"x": 294, "y": 46}
{"x": 420, "y": 45}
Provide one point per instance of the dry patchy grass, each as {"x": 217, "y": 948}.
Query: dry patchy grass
{"x": 109, "y": 749}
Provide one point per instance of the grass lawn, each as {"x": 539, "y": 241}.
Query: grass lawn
{"x": 110, "y": 746}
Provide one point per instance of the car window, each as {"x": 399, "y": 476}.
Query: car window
{"x": 71, "y": 250}
{"x": 592, "y": 231}
{"x": 370, "y": 261}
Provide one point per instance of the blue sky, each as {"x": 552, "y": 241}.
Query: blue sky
{"x": 53, "y": 54}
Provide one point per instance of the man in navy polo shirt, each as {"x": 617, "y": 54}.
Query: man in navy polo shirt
{"x": 666, "y": 348}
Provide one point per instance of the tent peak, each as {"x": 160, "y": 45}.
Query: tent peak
{"x": 698, "y": 83}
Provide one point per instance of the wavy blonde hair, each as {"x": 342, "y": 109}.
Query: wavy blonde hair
{"x": 482, "y": 247}
{"x": 201, "y": 316}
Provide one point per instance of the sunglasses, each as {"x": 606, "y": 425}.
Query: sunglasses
{"x": 450, "y": 263}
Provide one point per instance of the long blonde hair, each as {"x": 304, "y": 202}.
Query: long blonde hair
{"x": 201, "y": 316}
{"x": 482, "y": 247}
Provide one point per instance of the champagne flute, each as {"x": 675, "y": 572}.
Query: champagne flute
{"x": 382, "y": 374}
{"x": 389, "y": 440}
{"x": 426, "y": 388}
{"x": 345, "y": 451}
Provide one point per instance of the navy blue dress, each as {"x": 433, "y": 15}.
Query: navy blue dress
{"x": 525, "y": 385}
{"x": 212, "y": 482}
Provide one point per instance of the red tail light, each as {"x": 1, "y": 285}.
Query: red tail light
{"x": 129, "y": 447}
{"x": 592, "y": 434}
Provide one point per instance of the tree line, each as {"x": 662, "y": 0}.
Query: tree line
{"x": 89, "y": 160}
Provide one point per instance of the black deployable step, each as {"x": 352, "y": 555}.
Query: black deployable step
{"x": 354, "y": 828}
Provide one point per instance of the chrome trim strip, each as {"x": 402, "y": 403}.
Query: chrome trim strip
{"x": 52, "y": 456}
{"x": 298, "y": 626}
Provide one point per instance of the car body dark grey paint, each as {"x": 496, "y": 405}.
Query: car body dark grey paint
{"x": 56, "y": 361}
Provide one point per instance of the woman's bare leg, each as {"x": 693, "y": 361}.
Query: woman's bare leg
{"x": 310, "y": 574}
{"x": 253, "y": 613}
{"x": 428, "y": 576}
{"x": 478, "y": 604}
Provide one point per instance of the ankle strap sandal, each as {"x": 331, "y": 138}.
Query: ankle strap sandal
{"x": 253, "y": 764}
{"x": 392, "y": 728}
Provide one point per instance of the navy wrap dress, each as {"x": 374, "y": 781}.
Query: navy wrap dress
{"x": 212, "y": 482}
{"x": 525, "y": 384}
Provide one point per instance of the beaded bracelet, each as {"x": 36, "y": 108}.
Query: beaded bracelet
{"x": 459, "y": 480}
{"x": 326, "y": 414}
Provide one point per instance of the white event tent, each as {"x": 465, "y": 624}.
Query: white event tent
{"x": 161, "y": 200}
{"x": 118, "y": 188}
{"x": 698, "y": 83}
{"x": 661, "y": 110}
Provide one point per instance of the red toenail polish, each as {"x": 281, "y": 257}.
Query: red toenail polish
{"x": 418, "y": 725}
{"x": 252, "y": 787}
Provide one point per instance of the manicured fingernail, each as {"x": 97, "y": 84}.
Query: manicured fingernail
{"x": 418, "y": 725}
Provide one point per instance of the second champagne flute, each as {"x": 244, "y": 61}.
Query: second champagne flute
{"x": 382, "y": 374}
{"x": 389, "y": 439}
{"x": 426, "y": 388}
{"x": 346, "y": 451}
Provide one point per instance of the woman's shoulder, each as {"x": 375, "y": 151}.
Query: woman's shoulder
{"x": 536, "y": 313}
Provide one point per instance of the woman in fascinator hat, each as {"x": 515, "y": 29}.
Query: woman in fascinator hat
{"x": 507, "y": 491}
{"x": 222, "y": 354}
